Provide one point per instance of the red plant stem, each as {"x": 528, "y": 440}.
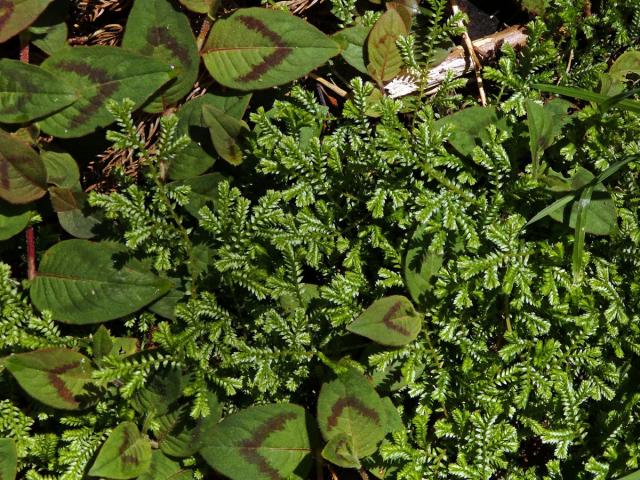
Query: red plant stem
{"x": 31, "y": 236}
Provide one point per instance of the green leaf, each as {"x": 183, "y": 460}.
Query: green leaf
{"x": 23, "y": 177}
{"x": 468, "y": 125}
{"x": 28, "y": 92}
{"x": 163, "y": 468}
{"x": 156, "y": 29}
{"x": 578, "y": 246}
{"x": 589, "y": 96}
{"x": 73, "y": 212}
{"x": 201, "y": 6}
{"x": 17, "y": 15}
{"x": 261, "y": 443}
{"x": 225, "y": 131}
{"x": 62, "y": 169}
{"x": 14, "y": 219}
{"x": 198, "y": 156}
{"x": 49, "y": 32}
{"x": 258, "y": 48}
{"x": 8, "y": 459}
{"x": 600, "y": 217}
{"x": 340, "y": 451}
{"x": 165, "y": 306}
{"x": 126, "y": 454}
{"x": 420, "y": 265}
{"x": 204, "y": 191}
{"x": 385, "y": 61}
{"x": 353, "y": 40}
{"x": 56, "y": 377}
{"x": 82, "y": 282}
{"x": 545, "y": 124}
{"x": 632, "y": 476}
{"x": 98, "y": 74}
{"x": 102, "y": 343}
{"x": 390, "y": 321}
{"x": 536, "y": 7}
{"x": 162, "y": 389}
{"x": 349, "y": 406}
{"x": 626, "y": 64}
{"x": 558, "y": 204}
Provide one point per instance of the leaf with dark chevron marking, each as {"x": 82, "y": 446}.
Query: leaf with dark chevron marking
{"x": 126, "y": 454}
{"x": 23, "y": 176}
{"x": 352, "y": 418}
{"x": 267, "y": 442}
{"x": 16, "y": 15}
{"x": 97, "y": 74}
{"x": 56, "y": 377}
{"x": 390, "y": 321}
{"x": 259, "y": 48}
{"x": 156, "y": 29}
{"x": 8, "y": 459}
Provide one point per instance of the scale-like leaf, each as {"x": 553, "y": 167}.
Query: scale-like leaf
{"x": 23, "y": 177}
{"x": 98, "y": 74}
{"x": 16, "y": 15}
{"x": 266, "y": 442}
{"x": 199, "y": 156}
{"x": 126, "y": 454}
{"x": 163, "y": 468}
{"x": 56, "y": 377}
{"x": 259, "y": 48}
{"x": 352, "y": 416}
{"x": 385, "y": 61}
{"x": 156, "y": 29}
{"x": 82, "y": 282}
{"x": 8, "y": 459}
{"x": 390, "y": 321}
{"x": 225, "y": 132}
{"x": 13, "y": 219}
{"x": 28, "y": 92}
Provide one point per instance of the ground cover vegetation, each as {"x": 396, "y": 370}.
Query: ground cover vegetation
{"x": 253, "y": 241}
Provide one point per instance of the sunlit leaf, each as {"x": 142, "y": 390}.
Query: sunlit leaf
{"x": 8, "y": 459}
{"x": 23, "y": 176}
{"x": 202, "y": 6}
{"x": 16, "y": 15}
{"x": 156, "y": 29}
{"x": 385, "y": 61}
{"x": 259, "y": 48}
{"x": 126, "y": 454}
{"x": 261, "y": 443}
{"x": 83, "y": 282}
{"x": 98, "y": 74}
{"x": 55, "y": 377}
{"x": 391, "y": 321}
{"x": 353, "y": 41}
{"x": 163, "y": 468}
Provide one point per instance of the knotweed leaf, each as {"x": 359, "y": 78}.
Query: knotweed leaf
{"x": 62, "y": 169}
{"x": 225, "y": 132}
{"x": 8, "y": 459}
{"x": 259, "y": 48}
{"x": 349, "y": 406}
{"x": 28, "y": 92}
{"x": 49, "y": 32}
{"x": 545, "y": 123}
{"x": 17, "y": 15}
{"x": 56, "y": 377}
{"x": 23, "y": 177}
{"x": 340, "y": 451}
{"x": 73, "y": 212}
{"x": 163, "y": 468}
{"x": 353, "y": 40}
{"x": 156, "y": 29}
{"x": 267, "y": 442}
{"x": 98, "y": 74}
{"x": 82, "y": 282}
{"x": 467, "y": 126}
{"x": 390, "y": 321}
{"x": 126, "y": 454}
{"x": 201, "y": 6}
{"x": 385, "y": 61}
{"x": 14, "y": 219}
{"x": 199, "y": 155}
{"x": 204, "y": 191}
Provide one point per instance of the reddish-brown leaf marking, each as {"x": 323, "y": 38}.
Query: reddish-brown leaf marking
{"x": 160, "y": 36}
{"x": 248, "y": 448}
{"x": 58, "y": 383}
{"x": 4, "y": 173}
{"x": 388, "y": 320}
{"x": 106, "y": 88}
{"x": 271, "y": 60}
{"x": 127, "y": 459}
{"x": 350, "y": 402}
{"x": 6, "y": 10}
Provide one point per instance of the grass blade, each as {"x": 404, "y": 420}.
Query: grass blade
{"x": 581, "y": 220}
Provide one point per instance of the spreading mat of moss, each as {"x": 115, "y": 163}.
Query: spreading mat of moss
{"x": 261, "y": 241}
